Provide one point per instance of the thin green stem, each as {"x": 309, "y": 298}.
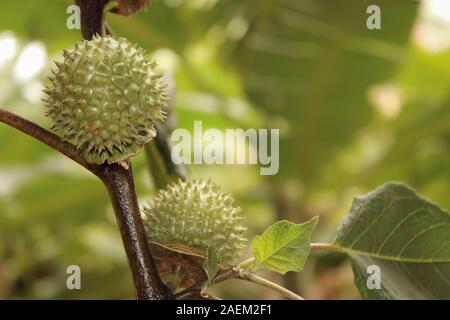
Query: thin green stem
{"x": 271, "y": 285}
{"x": 326, "y": 247}
{"x": 246, "y": 264}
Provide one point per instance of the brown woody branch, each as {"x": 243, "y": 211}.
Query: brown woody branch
{"x": 92, "y": 20}
{"x": 120, "y": 184}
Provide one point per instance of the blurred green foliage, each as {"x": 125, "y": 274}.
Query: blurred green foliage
{"x": 356, "y": 108}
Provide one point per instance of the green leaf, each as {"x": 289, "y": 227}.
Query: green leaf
{"x": 210, "y": 265}
{"x": 284, "y": 246}
{"x": 406, "y": 236}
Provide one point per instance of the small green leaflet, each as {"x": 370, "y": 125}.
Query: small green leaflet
{"x": 284, "y": 246}
{"x": 210, "y": 265}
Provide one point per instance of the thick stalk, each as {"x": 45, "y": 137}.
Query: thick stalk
{"x": 120, "y": 185}
{"x": 92, "y": 17}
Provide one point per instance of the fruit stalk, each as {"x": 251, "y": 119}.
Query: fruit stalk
{"x": 92, "y": 17}
{"x": 120, "y": 185}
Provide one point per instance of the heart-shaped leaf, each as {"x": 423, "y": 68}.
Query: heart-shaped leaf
{"x": 284, "y": 246}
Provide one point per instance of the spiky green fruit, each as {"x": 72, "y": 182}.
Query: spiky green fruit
{"x": 105, "y": 98}
{"x": 198, "y": 214}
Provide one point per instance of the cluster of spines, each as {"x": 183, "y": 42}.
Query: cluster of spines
{"x": 196, "y": 213}
{"x": 105, "y": 98}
